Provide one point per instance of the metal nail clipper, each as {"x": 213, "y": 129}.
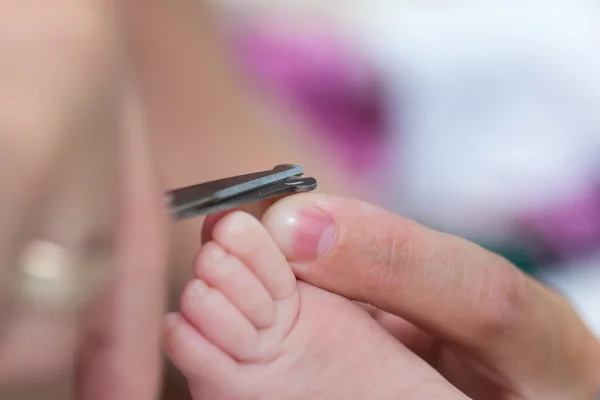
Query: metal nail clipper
{"x": 227, "y": 193}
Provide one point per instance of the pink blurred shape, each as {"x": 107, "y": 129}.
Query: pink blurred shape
{"x": 569, "y": 228}
{"x": 326, "y": 81}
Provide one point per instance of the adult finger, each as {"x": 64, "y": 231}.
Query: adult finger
{"x": 56, "y": 65}
{"x": 447, "y": 286}
{"x": 120, "y": 356}
{"x": 53, "y": 66}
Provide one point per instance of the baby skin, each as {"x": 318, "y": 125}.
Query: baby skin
{"x": 248, "y": 330}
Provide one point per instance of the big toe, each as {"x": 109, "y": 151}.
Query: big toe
{"x": 244, "y": 237}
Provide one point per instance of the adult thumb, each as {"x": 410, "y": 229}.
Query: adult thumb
{"x": 446, "y": 286}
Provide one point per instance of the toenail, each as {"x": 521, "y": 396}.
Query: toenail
{"x": 302, "y": 232}
{"x": 215, "y": 253}
{"x": 236, "y": 225}
{"x": 199, "y": 289}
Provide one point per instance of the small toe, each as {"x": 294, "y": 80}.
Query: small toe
{"x": 218, "y": 320}
{"x": 193, "y": 354}
{"x": 245, "y": 291}
{"x": 245, "y": 238}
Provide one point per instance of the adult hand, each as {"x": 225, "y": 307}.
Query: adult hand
{"x": 486, "y": 327}
{"x": 60, "y": 110}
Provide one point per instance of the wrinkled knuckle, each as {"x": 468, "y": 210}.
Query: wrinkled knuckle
{"x": 505, "y": 304}
{"x": 392, "y": 254}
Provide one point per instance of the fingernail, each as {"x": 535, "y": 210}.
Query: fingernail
{"x": 302, "y": 232}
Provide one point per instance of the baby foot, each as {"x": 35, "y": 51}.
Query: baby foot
{"x": 248, "y": 330}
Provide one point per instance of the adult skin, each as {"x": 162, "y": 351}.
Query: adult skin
{"x": 491, "y": 330}
{"x": 64, "y": 119}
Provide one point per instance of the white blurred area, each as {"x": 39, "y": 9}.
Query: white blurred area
{"x": 498, "y": 108}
